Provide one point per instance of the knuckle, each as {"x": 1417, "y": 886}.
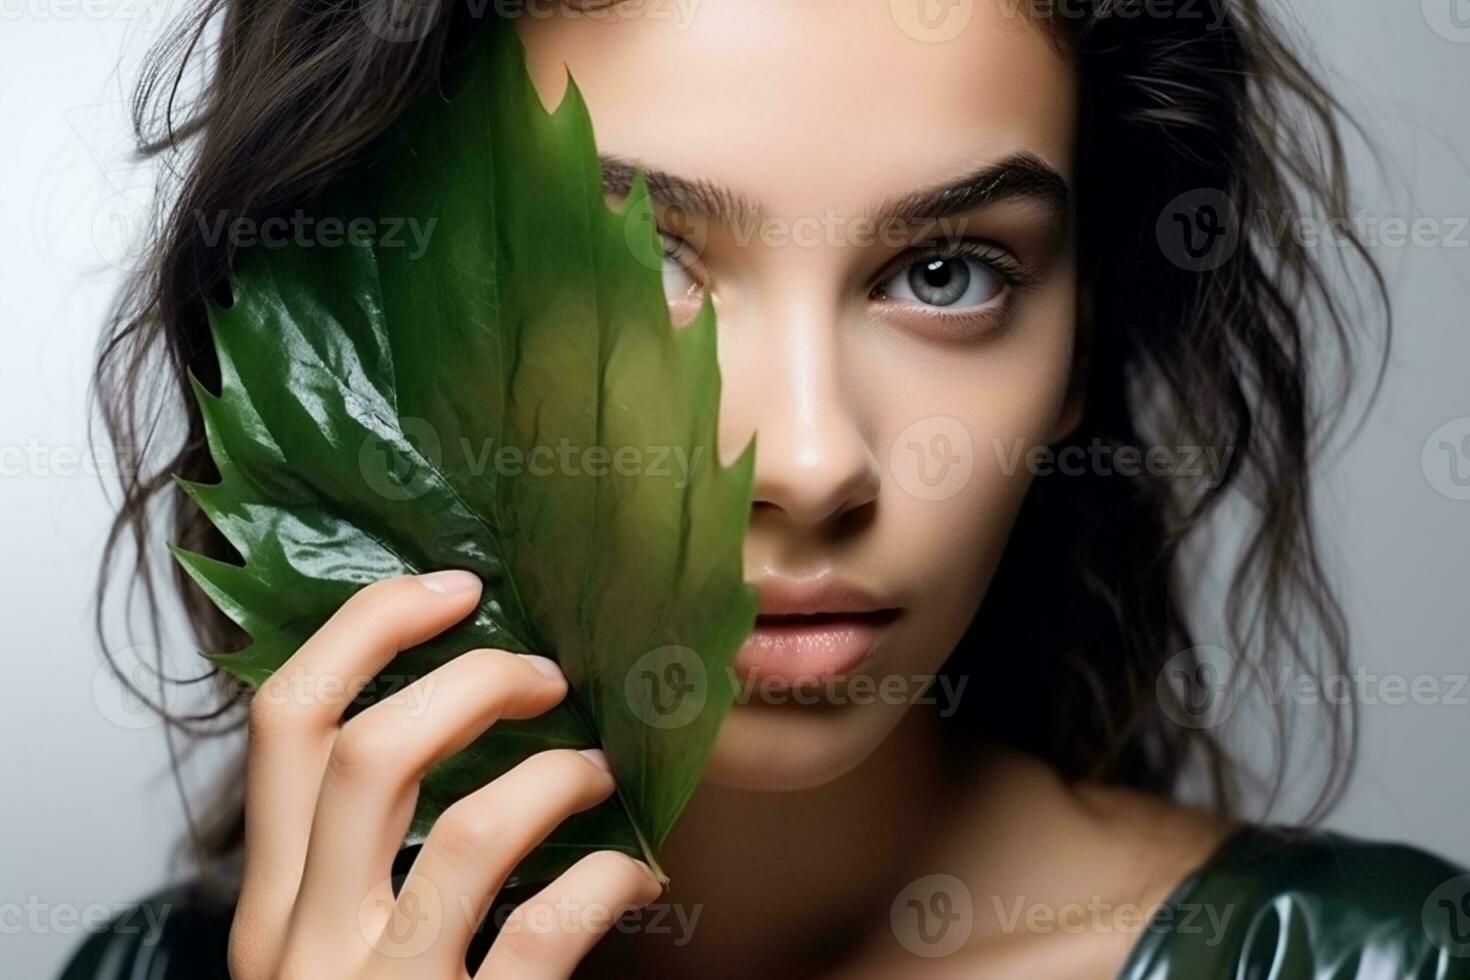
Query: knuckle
{"x": 467, "y": 831}
{"x": 362, "y": 748}
{"x": 271, "y": 711}
{"x": 529, "y": 934}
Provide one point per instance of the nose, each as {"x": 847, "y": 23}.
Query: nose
{"x": 812, "y": 463}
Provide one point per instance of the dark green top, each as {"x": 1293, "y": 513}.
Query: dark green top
{"x": 1274, "y": 903}
{"x": 1270, "y": 904}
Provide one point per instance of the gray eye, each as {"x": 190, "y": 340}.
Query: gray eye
{"x": 678, "y": 283}
{"x": 959, "y": 281}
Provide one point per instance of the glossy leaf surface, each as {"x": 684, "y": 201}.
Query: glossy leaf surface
{"x": 482, "y": 374}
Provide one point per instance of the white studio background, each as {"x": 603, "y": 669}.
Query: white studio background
{"x": 89, "y": 813}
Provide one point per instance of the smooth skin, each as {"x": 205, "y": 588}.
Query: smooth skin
{"x": 328, "y": 803}
{"x": 812, "y": 819}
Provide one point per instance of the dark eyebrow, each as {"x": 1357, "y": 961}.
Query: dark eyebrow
{"x": 691, "y": 196}
{"x": 1023, "y": 175}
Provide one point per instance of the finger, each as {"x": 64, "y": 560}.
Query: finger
{"x": 380, "y": 621}
{"x": 547, "y": 936}
{"x": 476, "y": 843}
{"x": 293, "y": 718}
{"x": 372, "y": 773}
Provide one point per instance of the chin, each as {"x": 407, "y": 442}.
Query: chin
{"x": 786, "y": 748}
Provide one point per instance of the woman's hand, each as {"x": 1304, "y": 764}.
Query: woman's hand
{"x": 327, "y": 805}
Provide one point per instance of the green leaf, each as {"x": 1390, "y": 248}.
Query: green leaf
{"x": 510, "y": 398}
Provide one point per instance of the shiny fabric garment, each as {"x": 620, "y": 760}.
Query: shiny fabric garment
{"x": 1272, "y": 903}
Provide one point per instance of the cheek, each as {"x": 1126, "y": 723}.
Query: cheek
{"x": 955, "y": 428}
{"x": 945, "y": 424}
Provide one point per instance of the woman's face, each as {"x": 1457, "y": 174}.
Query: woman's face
{"x": 898, "y": 351}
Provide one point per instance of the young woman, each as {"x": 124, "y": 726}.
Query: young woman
{"x": 988, "y": 449}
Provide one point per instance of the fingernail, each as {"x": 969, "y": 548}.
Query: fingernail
{"x": 597, "y": 757}
{"x": 648, "y": 871}
{"x": 544, "y": 665}
{"x": 451, "y": 582}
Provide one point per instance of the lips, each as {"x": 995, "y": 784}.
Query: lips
{"x": 812, "y": 630}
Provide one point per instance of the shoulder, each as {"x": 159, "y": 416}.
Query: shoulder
{"x": 178, "y": 933}
{"x": 1287, "y": 902}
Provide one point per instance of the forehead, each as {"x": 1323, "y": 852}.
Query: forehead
{"x": 810, "y": 104}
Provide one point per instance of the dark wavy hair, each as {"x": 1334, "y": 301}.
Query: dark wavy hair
{"x": 1092, "y": 599}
